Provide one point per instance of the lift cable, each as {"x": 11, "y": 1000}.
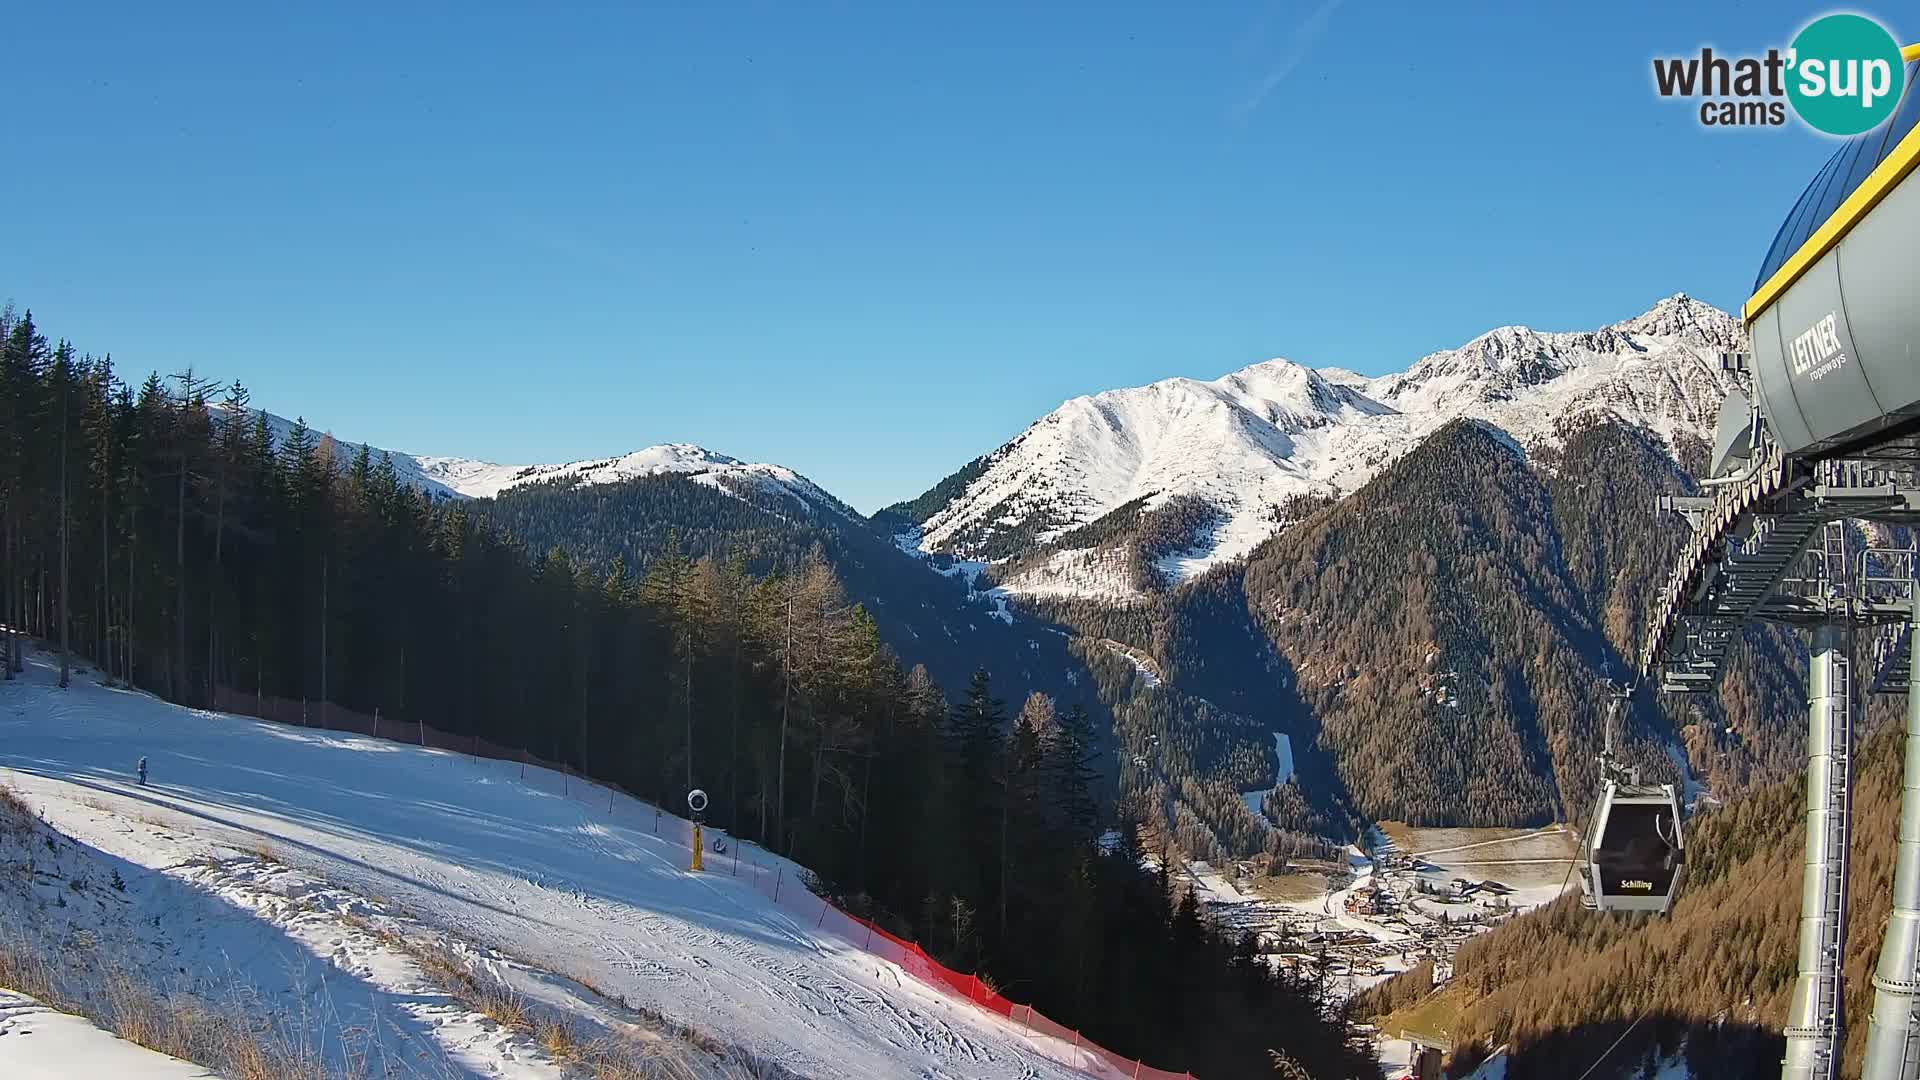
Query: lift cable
{"x": 1574, "y": 862}
{"x": 1616, "y": 1044}
{"x": 1615, "y": 700}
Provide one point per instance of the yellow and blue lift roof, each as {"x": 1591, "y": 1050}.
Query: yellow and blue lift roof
{"x": 1858, "y": 176}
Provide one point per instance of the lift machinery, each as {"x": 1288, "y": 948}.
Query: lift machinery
{"x": 1807, "y": 520}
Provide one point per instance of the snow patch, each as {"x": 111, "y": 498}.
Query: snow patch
{"x": 1149, "y": 673}
{"x": 41, "y": 1043}
{"x": 1283, "y": 753}
{"x": 996, "y": 598}
{"x": 1692, "y": 790}
{"x": 1494, "y": 1068}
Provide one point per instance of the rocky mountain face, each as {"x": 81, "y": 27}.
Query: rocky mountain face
{"x": 1424, "y": 578}
{"x": 1250, "y": 446}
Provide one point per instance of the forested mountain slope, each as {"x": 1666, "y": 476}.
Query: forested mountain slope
{"x": 1561, "y": 984}
{"x": 1179, "y": 757}
{"x": 1450, "y": 627}
{"x": 940, "y": 619}
{"x": 193, "y": 554}
{"x": 1436, "y": 644}
{"x": 1434, "y": 630}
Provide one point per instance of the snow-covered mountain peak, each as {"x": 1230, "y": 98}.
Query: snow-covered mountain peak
{"x": 677, "y": 457}
{"x": 1681, "y": 316}
{"x": 1233, "y": 441}
{"x": 1249, "y": 441}
{"x": 459, "y": 477}
{"x": 1347, "y": 377}
{"x": 1504, "y": 357}
{"x": 481, "y": 479}
{"x": 1293, "y": 395}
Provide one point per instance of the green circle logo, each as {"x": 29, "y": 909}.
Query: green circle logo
{"x": 1845, "y": 74}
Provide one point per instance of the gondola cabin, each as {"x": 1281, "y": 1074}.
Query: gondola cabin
{"x": 1636, "y": 856}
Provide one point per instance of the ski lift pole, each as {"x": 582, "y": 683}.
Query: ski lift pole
{"x": 1893, "y": 1035}
{"x": 1814, "y": 1022}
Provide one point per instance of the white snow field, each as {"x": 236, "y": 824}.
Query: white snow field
{"x": 39, "y": 1043}
{"x": 255, "y": 842}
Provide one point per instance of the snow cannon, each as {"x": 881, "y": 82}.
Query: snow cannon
{"x": 697, "y": 803}
{"x": 1832, "y": 319}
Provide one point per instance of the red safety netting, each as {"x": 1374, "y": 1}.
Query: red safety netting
{"x": 1089, "y": 1056}
{"x": 765, "y": 873}
{"x": 773, "y": 877}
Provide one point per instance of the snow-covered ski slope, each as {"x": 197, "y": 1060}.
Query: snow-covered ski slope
{"x": 576, "y": 882}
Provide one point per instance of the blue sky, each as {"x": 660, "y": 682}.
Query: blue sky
{"x": 867, "y": 241}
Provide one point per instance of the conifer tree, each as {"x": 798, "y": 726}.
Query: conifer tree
{"x": 216, "y": 563}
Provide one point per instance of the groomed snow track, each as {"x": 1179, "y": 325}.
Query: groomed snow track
{"x": 544, "y": 867}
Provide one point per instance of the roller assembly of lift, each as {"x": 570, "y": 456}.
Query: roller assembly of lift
{"x": 1806, "y": 476}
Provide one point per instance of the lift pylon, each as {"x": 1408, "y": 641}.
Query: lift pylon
{"x": 1815, "y": 1020}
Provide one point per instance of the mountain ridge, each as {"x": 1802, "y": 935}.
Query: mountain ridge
{"x": 1254, "y": 438}
{"x": 446, "y": 476}
{"x": 1241, "y": 447}
{"x": 1241, "y": 475}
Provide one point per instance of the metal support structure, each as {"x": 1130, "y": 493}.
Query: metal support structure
{"x": 1797, "y": 455}
{"x": 1893, "y": 1036}
{"x": 1815, "y": 1023}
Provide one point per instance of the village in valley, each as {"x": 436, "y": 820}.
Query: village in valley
{"x": 1406, "y": 896}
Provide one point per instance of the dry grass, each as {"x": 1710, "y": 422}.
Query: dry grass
{"x": 81, "y": 974}
{"x": 169, "y": 1021}
{"x": 1292, "y": 886}
{"x": 586, "y": 981}
{"x": 481, "y": 992}
{"x": 16, "y": 816}
{"x": 560, "y": 1039}
{"x": 28, "y": 972}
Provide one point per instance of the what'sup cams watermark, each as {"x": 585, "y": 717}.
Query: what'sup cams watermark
{"x": 1842, "y": 75}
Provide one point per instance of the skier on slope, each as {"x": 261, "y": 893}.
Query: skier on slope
{"x": 141, "y": 769}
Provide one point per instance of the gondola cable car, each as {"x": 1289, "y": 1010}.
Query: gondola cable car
{"x": 1635, "y": 846}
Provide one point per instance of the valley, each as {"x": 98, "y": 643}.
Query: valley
{"x": 959, "y": 542}
{"x": 1333, "y": 650}
{"x": 1114, "y": 525}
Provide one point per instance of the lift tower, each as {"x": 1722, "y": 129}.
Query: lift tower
{"x": 1778, "y": 542}
{"x": 1802, "y": 482}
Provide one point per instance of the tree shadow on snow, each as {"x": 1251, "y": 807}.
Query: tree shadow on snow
{"x": 1725, "y": 1050}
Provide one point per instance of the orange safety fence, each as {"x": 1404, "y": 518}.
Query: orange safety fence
{"x": 1090, "y": 1056}
{"x": 764, "y": 872}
